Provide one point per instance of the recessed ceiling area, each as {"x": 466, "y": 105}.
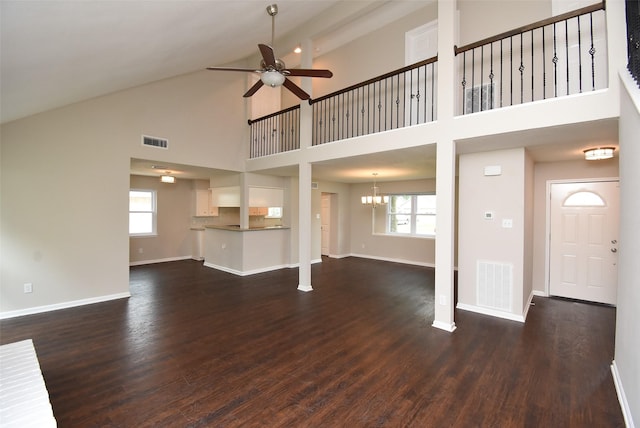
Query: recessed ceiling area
{"x": 157, "y": 168}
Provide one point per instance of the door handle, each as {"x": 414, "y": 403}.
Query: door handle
{"x": 614, "y": 250}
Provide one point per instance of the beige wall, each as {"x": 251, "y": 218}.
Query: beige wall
{"x": 357, "y": 61}
{"x": 70, "y": 166}
{"x": 487, "y": 240}
{"x": 480, "y": 19}
{"x": 174, "y": 208}
{"x": 544, "y": 172}
{"x": 367, "y": 244}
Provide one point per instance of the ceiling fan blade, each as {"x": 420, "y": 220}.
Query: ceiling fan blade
{"x": 308, "y": 72}
{"x": 297, "y": 90}
{"x": 268, "y": 55}
{"x": 248, "y": 70}
{"x": 254, "y": 89}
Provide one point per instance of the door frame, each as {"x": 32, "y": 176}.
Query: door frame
{"x": 547, "y": 234}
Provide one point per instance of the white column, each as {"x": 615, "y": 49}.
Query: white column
{"x": 304, "y": 227}
{"x": 304, "y": 184}
{"x": 445, "y": 169}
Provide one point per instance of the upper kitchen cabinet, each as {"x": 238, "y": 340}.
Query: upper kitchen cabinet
{"x": 225, "y": 196}
{"x": 204, "y": 204}
{"x": 266, "y": 197}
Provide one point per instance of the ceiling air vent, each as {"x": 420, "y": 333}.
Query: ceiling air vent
{"x": 160, "y": 143}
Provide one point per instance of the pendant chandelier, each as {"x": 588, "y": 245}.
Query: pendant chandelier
{"x": 375, "y": 198}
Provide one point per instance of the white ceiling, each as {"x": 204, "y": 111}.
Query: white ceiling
{"x": 57, "y": 52}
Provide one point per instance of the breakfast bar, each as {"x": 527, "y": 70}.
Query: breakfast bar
{"x": 246, "y": 251}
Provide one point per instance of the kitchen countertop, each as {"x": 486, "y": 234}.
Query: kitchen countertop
{"x": 236, "y": 228}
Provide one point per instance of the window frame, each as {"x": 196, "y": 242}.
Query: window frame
{"x": 153, "y": 211}
{"x": 413, "y": 216}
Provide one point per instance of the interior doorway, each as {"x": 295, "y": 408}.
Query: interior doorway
{"x": 325, "y": 224}
{"x": 583, "y": 226}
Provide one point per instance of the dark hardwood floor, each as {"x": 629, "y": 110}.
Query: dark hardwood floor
{"x": 197, "y": 347}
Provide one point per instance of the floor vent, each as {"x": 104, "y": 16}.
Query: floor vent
{"x": 494, "y": 285}
{"x": 160, "y": 143}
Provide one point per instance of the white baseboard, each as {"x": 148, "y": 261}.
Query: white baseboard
{"x": 305, "y": 288}
{"x": 622, "y": 398}
{"x": 244, "y": 272}
{"x": 540, "y": 293}
{"x": 527, "y": 307}
{"x": 168, "y": 259}
{"x": 389, "y": 259}
{"x": 444, "y": 326}
{"x": 63, "y": 305}
{"x": 338, "y": 256}
{"x": 491, "y": 312}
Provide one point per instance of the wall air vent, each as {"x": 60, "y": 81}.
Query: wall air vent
{"x": 494, "y": 285}
{"x": 314, "y": 185}
{"x": 160, "y": 143}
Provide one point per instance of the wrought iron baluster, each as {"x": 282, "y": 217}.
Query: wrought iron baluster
{"x": 544, "y": 66}
{"x": 579, "y": 57}
{"x": 566, "y": 44}
{"x": 592, "y": 52}
{"x": 521, "y": 68}
{"x": 464, "y": 80}
{"x": 555, "y": 62}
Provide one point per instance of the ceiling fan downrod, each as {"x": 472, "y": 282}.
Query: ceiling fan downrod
{"x": 272, "y": 10}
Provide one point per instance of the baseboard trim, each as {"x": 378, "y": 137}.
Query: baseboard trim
{"x": 338, "y": 256}
{"x": 527, "y": 307}
{"x": 490, "y": 312}
{"x": 390, "y": 259}
{"x": 63, "y": 305}
{"x": 305, "y": 288}
{"x": 244, "y": 272}
{"x": 622, "y": 398}
{"x": 444, "y": 326}
{"x": 168, "y": 259}
{"x": 540, "y": 293}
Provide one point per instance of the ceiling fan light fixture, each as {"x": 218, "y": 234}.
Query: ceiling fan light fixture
{"x": 272, "y": 78}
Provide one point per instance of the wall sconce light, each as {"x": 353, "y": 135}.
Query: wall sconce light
{"x": 376, "y": 198}
{"x": 168, "y": 179}
{"x": 599, "y": 153}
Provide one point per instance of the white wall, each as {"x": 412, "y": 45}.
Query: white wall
{"x": 70, "y": 166}
{"x": 627, "y": 348}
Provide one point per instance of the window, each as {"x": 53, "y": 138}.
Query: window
{"x": 274, "y": 212}
{"x": 412, "y": 214}
{"x": 142, "y": 212}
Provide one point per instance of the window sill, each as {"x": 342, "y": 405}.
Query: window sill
{"x": 401, "y": 235}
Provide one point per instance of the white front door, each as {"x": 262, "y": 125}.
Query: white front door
{"x": 325, "y": 221}
{"x": 583, "y": 240}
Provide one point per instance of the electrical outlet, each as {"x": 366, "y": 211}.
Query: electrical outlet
{"x": 28, "y": 287}
{"x": 443, "y": 299}
{"x": 140, "y": 250}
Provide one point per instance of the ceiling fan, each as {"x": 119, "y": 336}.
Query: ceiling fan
{"x": 273, "y": 72}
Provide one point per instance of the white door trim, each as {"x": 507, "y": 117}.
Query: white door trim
{"x": 547, "y": 241}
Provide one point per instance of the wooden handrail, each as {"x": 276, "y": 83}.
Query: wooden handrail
{"x": 375, "y": 79}
{"x": 530, "y": 27}
{"x": 287, "y": 110}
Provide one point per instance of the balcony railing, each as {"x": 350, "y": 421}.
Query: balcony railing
{"x": 559, "y": 56}
{"x": 562, "y": 55}
{"x": 403, "y": 97}
{"x": 633, "y": 38}
{"x": 275, "y": 133}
